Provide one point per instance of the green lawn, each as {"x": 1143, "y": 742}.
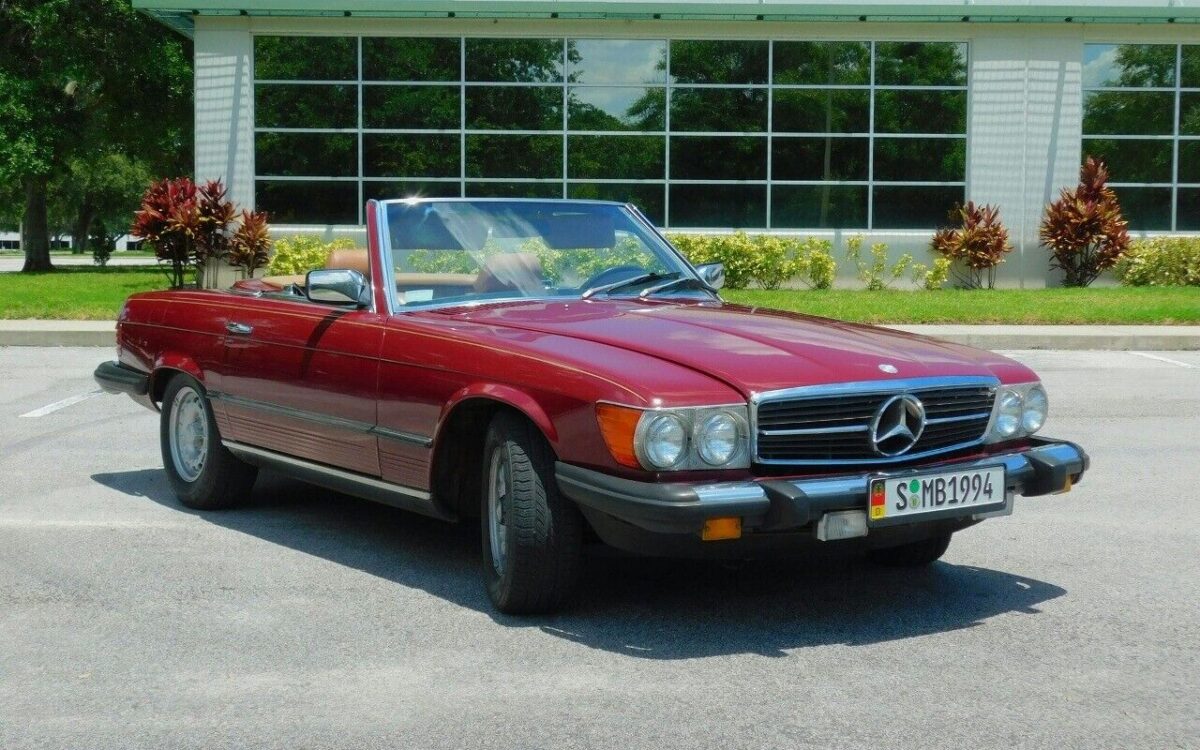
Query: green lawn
{"x": 83, "y": 293}
{"x": 74, "y": 293}
{"x": 1137, "y": 306}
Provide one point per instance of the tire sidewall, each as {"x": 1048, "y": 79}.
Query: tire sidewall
{"x": 196, "y": 492}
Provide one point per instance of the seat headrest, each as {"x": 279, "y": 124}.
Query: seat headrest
{"x": 354, "y": 259}
{"x": 506, "y": 272}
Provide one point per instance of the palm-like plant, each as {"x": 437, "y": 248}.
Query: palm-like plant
{"x": 977, "y": 245}
{"x": 250, "y": 246}
{"x": 1084, "y": 228}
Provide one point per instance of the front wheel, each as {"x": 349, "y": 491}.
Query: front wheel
{"x": 203, "y": 473}
{"x": 532, "y": 535}
{"x": 913, "y": 554}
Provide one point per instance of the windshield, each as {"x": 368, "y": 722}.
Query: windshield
{"x": 464, "y": 251}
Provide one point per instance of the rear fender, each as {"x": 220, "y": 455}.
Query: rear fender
{"x": 168, "y": 363}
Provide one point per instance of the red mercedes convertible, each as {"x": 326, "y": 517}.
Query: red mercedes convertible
{"x": 559, "y": 371}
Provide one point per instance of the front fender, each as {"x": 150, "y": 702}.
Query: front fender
{"x": 507, "y": 395}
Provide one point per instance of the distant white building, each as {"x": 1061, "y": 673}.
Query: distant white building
{"x": 810, "y": 117}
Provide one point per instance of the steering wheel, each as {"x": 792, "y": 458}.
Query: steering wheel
{"x": 609, "y": 275}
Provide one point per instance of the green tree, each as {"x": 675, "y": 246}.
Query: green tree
{"x": 79, "y": 78}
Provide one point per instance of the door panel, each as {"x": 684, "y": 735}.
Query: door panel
{"x": 302, "y": 381}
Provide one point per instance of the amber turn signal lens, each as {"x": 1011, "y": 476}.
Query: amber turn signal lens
{"x": 716, "y": 529}
{"x": 617, "y": 425}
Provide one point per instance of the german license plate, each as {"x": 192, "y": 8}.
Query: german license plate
{"x": 945, "y": 493}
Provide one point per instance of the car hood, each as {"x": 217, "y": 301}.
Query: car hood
{"x": 751, "y": 349}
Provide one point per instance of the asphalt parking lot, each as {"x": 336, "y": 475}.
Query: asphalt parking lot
{"x": 311, "y": 620}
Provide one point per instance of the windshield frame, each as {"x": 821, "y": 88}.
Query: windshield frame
{"x": 653, "y": 236}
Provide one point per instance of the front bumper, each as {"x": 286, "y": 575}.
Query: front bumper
{"x": 115, "y": 377}
{"x": 782, "y": 505}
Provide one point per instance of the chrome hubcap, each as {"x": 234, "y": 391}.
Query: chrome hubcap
{"x": 499, "y": 483}
{"x": 188, "y": 434}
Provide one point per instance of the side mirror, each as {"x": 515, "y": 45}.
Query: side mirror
{"x": 337, "y": 286}
{"x": 712, "y": 274}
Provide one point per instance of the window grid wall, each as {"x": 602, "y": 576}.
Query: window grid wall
{"x": 1115, "y": 129}
{"x": 466, "y": 184}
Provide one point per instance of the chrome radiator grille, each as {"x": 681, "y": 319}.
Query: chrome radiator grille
{"x": 833, "y": 424}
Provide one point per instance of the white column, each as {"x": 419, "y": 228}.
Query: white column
{"x": 225, "y": 109}
{"x": 1024, "y": 131}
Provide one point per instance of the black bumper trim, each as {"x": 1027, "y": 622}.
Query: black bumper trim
{"x": 115, "y": 377}
{"x": 789, "y": 504}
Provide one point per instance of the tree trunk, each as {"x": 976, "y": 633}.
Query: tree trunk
{"x": 35, "y": 229}
{"x": 82, "y": 228}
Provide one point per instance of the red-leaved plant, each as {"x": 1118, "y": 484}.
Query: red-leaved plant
{"x": 977, "y": 245}
{"x": 168, "y": 220}
{"x": 250, "y": 246}
{"x": 1084, "y": 228}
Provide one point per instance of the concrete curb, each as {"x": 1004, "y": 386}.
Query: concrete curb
{"x": 1104, "y": 338}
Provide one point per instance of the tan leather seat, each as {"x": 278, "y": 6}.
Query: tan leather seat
{"x": 508, "y": 272}
{"x": 354, "y": 259}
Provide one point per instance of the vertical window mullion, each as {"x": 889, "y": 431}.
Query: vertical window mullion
{"x": 565, "y": 78}
{"x": 462, "y": 117}
{"x": 359, "y": 136}
{"x": 1175, "y": 139}
{"x": 667, "y": 144}
{"x": 871, "y": 146}
{"x": 770, "y": 123}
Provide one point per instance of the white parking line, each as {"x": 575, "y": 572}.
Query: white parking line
{"x": 70, "y": 401}
{"x": 1168, "y": 360}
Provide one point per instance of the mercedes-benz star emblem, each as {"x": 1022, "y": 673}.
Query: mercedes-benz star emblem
{"x": 897, "y": 425}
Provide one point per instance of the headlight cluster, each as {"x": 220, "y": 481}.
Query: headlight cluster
{"x": 1020, "y": 410}
{"x": 708, "y": 437}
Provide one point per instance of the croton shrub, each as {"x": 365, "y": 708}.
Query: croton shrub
{"x": 1084, "y": 229}
{"x": 975, "y": 245}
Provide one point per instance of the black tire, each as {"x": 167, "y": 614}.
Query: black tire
{"x": 541, "y": 531}
{"x": 913, "y": 554}
{"x": 220, "y": 479}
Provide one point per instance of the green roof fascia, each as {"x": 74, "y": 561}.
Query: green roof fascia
{"x": 178, "y": 14}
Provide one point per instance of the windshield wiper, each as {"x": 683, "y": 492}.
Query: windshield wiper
{"x": 681, "y": 282}
{"x": 631, "y": 281}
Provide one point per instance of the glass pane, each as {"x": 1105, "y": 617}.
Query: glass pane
{"x": 819, "y": 158}
{"x": 616, "y": 108}
{"x": 514, "y": 108}
{"x": 514, "y": 190}
{"x": 412, "y": 59}
{"x": 305, "y": 58}
{"x": 728, "y": 110}
{"x": 823, "y": 63}
{"x": 914, "y": 207}
{"x": 1190, "y": 75}
{"x": 520, "y": 60}
{"x": 824, "y": 111}
{"x": 1189, "y": 161}
{"x": 410, "y": 155}
{"x": 718, "y": 206}
{"x": 718, "y": 158}
{"x": 1129, "y": 65}
{"x": 627, "y": 157}
{"x": 819, "y": 207}
{"x": 920, "y": 64}
{"x": 1189, "y": 114}
{"x": 306, "y": 154}
{"x": 1128, "y": 113}
{"x": 920, "y": 159}
{"x": 411, "y": 107}
{"x": 1145, "y": 208}
{"x": 409, "y": 189}
{"x": 1187, "y": 217}
{"x": 305, "y": 106}
{"x": 514, "y": 155}
{"x": 308, "y": 202}
{"x": 648, "y": 198}
{"x": 921, "y": 112}
{"x": 1132, "y": 161}
{"x": 617, "y": 61}
{"x": 718, "y": 61}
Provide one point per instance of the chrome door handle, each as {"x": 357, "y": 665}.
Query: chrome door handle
{"x": 240, "y": 329}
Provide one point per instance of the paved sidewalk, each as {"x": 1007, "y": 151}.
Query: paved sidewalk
{"x": 1110, "y": 338}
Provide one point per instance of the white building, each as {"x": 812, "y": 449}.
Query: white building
{"x": 812, "y": 117}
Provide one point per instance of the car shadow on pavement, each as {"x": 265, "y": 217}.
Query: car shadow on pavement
{"x": 643, "y": 607}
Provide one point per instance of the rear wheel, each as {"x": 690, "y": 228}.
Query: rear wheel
{"x": 913, "y": 554}
{"x": 532, "y": 535}
{"x": 203, "y": 473}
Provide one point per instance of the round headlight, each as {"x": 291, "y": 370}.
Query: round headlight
{"x": 1008, "y": 418}
{"x": 718, "y": 439}
{"x": 1036, "y": 407}
{"x": 664, "y": 441}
